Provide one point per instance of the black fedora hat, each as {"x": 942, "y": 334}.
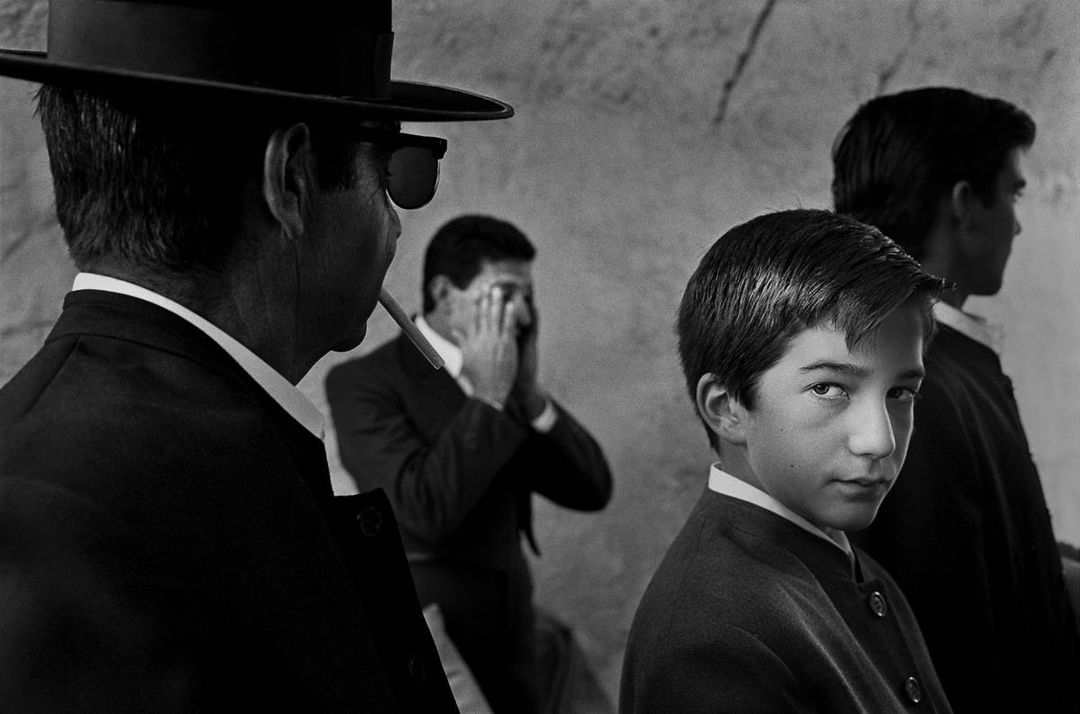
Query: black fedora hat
{"x": 326, "y": 54}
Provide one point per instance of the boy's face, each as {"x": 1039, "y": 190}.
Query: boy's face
{"x": 830, "y": 428}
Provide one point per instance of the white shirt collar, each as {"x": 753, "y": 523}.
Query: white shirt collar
{"x": 973, "y": 326}
{"x": 291, "y": 399}
{"x": 722, "y": 482}
{"x": 454, "y": 362}
{"x": 450, "y": 352}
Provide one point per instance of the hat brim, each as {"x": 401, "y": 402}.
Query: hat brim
{"x": 408, "y": 101}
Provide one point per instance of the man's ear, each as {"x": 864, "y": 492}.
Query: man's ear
{"x": 962, "y": 202}
{"x": 720, "y": 410}
{"x": 288, "y": 178}
{"x": 439, "y": 290}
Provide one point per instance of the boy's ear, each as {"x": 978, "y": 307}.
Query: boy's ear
{"x": 720, "y": 410}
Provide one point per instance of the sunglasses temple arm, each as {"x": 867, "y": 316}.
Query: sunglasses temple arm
{"x": 410, "y": 330}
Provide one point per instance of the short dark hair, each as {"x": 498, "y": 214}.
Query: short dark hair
{"x": 459, "y": 248}
{"x": 768, "y": 279}
{"x": 900, "y": 153}
{"x": 157, "y": 184}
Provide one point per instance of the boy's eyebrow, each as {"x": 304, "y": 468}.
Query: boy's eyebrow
{"x": 844, "y": 367}
{"x": 857, "y": 370}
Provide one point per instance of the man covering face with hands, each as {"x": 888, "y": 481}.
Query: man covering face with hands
{"x": 462, "y": 450}
{"x": 493, "y": 321}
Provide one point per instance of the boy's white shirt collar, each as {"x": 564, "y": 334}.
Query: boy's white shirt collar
{"x": 291, "y": 399}
{"x": 977, "y": 328}
{"x": 454, "y": 363}
{"x": 722, "y": 482}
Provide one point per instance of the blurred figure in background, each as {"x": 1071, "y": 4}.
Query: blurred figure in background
{"x": 965, "y": 532}
{"x": 461, "y": 451}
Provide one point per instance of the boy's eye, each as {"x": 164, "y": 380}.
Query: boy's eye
{"x": 903, "y": 394}
{"x": 828, "y": 390}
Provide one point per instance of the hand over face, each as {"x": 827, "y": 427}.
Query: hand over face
{"x": 528, "y": 325}
{"x": 489, "y": 346}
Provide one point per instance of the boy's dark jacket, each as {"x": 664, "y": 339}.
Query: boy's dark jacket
{"x": 750, "y": 613}
{"x": 169, "y": 540}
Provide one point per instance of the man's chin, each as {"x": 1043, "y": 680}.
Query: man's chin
{"x": 353, "y": 340}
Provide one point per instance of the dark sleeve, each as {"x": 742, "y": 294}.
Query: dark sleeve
{"x": 567, "y": 466}
{"x": 89, "y": 621}
{"x": 728, "y": 671}
{"x": 433, "y": 484}
{"x": 929, "y": 537}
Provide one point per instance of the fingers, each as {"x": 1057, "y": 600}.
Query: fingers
{"x": 497, "y": 311}
{"x": 509, "y": 319}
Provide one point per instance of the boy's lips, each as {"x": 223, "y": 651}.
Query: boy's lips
{"x": 865, "y": 483}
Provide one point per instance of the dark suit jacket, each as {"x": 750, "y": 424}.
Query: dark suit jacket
{"x": 169, "y": 540}
{"x": 460, "y": 475}
{"x": 750, "y": 613}
{"x": 966, "y": 534}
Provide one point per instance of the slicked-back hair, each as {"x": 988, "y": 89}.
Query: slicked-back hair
{"x": 766, "y": 280}
{"x": 159, "y": 185}
{"x": 901, "y": 153}
{"x": 460, "y": 247}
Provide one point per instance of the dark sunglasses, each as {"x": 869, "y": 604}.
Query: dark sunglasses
{"x": 413, "y": 166}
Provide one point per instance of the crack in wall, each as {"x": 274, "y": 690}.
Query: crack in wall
{"x": 885, "y": 76}
{"x": 742, "y": 60}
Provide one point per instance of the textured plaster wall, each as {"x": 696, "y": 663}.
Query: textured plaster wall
{"x": 644, "y": 130}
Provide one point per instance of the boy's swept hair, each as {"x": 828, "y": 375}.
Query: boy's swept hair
{"x": 768, "y": 279}
{"x": 459, "y": 248}
{"x": 900, "y": 153}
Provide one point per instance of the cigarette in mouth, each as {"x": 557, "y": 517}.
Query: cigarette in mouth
{"x": 410, "y": 330}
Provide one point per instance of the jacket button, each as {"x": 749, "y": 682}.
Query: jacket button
{"x": 370, "y": 521}
{"x": 913, "y": 690}
{"x": 877, "y": 604}
{"x": 416, "y": 668}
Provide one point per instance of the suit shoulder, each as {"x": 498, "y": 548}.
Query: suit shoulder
{"x": 707, "y": 571}
{"x": 385, "y": 357}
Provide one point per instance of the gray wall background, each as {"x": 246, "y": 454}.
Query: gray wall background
{"x": 644, "y": 130}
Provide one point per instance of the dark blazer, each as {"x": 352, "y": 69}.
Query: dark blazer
{"x": 460, "y": 475}
{"x": 750, "y": 613}
{"x": 966, "y": 534}
{"x": 169, "y": 540}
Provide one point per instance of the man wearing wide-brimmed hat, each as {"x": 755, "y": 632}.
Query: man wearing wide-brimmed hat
{"x": 168, "y": 536}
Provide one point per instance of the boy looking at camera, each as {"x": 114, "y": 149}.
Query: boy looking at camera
{"x": 801, "y": 335}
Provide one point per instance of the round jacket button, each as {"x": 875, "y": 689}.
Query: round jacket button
{"x": 370, "y": 521}
{"x": 913, "y": 690}
{"x": 877, "y": 604}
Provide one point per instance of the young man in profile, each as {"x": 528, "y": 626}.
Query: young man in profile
{"x": 966, "y": 532}
{"x": 801, "y": 335}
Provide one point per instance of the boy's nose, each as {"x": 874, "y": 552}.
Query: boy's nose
{"x": 872, "y": 432}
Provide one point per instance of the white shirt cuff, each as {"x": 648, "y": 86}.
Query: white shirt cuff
{"x": 546, "y": 420}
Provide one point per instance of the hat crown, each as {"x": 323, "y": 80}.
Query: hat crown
{"x": 331, "y": 55}
{"x": 339, "y": 49}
